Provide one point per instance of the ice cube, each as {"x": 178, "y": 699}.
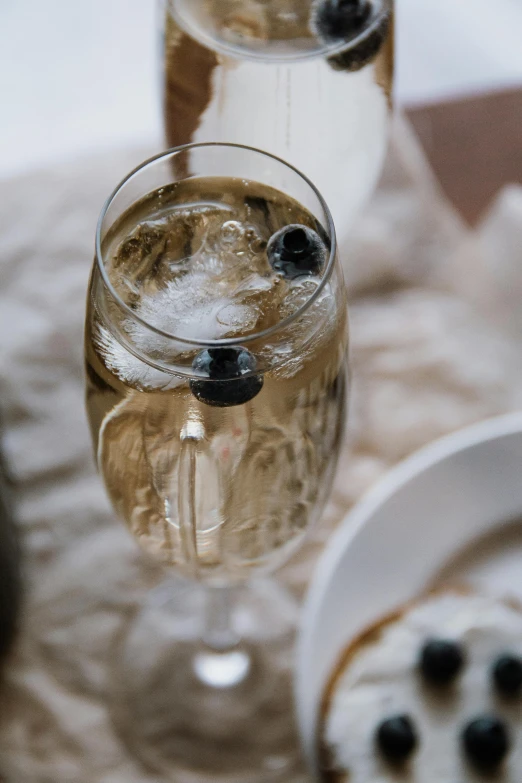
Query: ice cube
{"x": 148, "y": 239}
{"x": 158, "y": 251}
{"x": 194, "y": 307}
{"x": 297, "y": 295}
{"x": 128, "y": 367}
{"x": 237, "y": 317}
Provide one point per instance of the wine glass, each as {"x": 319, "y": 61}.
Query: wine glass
{"x": 216, "y": 341}
{"x": 307, "y": 80}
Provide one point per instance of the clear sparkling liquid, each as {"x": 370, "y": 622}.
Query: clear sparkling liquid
{"x": 216, "y": 492}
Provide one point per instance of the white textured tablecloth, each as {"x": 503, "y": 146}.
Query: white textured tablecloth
{"x": 436, "y": 345}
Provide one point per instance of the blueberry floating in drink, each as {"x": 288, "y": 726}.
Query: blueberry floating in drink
{"x": 486, "y": 742}
{"x": 397, "y": 738}
{"x": 295, "y": 251}
{"x": 230, "y": 379}
{"x": 441, "y": 661}
{"x": 341, "y": 19}
{"x": 507, "y": 675}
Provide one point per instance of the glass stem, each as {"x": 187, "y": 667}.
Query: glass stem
{"x": 191, "y": 436}
{"x": 218, "y": 632}
{"x": 222, "y": 663}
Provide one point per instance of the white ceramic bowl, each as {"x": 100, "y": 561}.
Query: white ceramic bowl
{"x": 398, "y": 538}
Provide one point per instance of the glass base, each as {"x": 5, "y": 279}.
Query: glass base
{"x": 193, "y": 713}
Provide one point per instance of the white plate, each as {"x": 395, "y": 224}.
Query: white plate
{"x": 404, "y": 536}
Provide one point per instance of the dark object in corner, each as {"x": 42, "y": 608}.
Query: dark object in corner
{"x": 10, "y": 575}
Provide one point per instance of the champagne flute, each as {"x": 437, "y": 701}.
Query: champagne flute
{"x": 216, "y": 340}
{"x": 307, "y": 80}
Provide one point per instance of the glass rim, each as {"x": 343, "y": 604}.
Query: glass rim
{"x": 327, "y": 49}
{"x": 226, "y": 341}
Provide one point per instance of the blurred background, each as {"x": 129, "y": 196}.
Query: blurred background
{"x": 77, "y": 76}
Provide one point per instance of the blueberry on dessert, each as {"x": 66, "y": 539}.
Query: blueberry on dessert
{"x": 441, "y": 661}
{"x": 397, "y": 738}
{"x": 507, "y": 675}
{"x": 230, "y": 378}
{"x": 295, "y": 251}
{"x": 486, "y": 742}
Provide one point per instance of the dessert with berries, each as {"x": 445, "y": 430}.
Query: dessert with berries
{"x": 432, "y": 695}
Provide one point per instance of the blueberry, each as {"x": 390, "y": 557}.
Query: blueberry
{"x": 341, "y": 19}
{"x": 295, "y": 251}
{"x": 226, "y": 385}
{"x": 396, "y": 738}
{"x": 486, "y": 741}
{"x": 507, "y": 675}
{"x": 354, "y": 58}
{"x": 441, "y": 661}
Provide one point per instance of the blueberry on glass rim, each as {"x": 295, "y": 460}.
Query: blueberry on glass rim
{"x": 230, "y": 377}
{"x": 397, "y": 738}
{"x": 295, "y": 251}
{"x": 341, "y": 19}
{"x": 486, "y": 742}
{"x": 441, "y": 661}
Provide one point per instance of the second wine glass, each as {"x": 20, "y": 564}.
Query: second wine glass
{"x": 307, "y": 80}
